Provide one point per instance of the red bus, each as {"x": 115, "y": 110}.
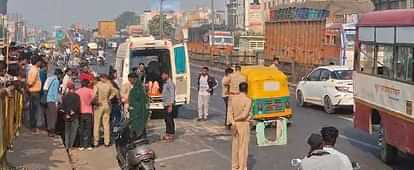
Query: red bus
{"x": 383, "y": 80}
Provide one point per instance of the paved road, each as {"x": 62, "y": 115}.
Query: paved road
{"x": 207, "y": 145}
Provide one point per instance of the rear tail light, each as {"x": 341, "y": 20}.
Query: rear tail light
{"x": 147, "y": 153}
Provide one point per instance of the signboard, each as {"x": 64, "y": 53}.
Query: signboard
{"x": 106, "y": 29}
{"x": 256, "y": 19}
{"x": 385, "y": 93}
{"x": 59, "y": 35}
{"x": 76, "y": 49}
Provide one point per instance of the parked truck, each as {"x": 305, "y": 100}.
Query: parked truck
{"x": 106, "y": 29}
{"x": 200, "y": 41}
{"x": 307, "y": 42}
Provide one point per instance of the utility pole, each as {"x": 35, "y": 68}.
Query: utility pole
{"x": 213, "y": 19}
{"x": 161, "y": 20}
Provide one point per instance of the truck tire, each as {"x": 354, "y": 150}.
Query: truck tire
{"x": 388, "y": 153}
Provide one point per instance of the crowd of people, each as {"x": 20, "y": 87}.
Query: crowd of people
{"x": 80, "y": 104}
{"x": 58, "y": 105}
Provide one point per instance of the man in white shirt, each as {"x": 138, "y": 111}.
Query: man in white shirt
{"x": 329, "y": 135}
{"x": 66, "y": 79}
{"x": 319, "y": 159}
{"x": 206, "y": 84}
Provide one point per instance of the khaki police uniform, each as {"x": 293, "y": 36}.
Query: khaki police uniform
{"x": 240, "y": 108}
{"x": 234, "y": 81}
{"x": 125, "y": 89}
{"x": 103, "y": 91}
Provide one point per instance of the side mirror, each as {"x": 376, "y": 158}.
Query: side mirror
{"x": 295, "y": 162}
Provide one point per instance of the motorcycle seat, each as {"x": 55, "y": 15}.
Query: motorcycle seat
{"x": 138, "y": 142}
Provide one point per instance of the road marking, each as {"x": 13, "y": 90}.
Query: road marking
{"x": 215, "y": 151}
{"x": 182, "y": 155}
{"x": 346, "y": 118}
{"x": 360, "y": 142}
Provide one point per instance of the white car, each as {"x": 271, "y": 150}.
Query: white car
{"x": 328, "y": 86}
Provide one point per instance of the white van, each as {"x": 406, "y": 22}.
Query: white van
{"x": 169, "y": 57}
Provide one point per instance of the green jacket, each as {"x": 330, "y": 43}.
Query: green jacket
{"x": 138, "y": 108}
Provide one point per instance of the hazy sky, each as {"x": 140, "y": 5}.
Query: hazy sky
{"x": 47, "y": 13}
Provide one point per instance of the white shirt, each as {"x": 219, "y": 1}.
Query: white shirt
{"x": 324, "y": 162}
{"x": 101, "y": 53}
{"x": 65, "y": 81}
{"x": 203, "y": 91}
{"x": 346, "y": 162}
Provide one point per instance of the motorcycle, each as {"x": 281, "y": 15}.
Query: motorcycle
{"x": 60, "y": 62}
{"x": 296, "y": 163}
{"x": 133, "y": 154}
{"x": 91, "y": 60}
{"x": 101, "y": 60}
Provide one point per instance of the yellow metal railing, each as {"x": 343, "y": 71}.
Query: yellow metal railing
{"x": 11, "y": 109}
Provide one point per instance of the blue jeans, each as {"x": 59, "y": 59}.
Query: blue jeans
{"x": 35, "y": 118}
{"x": 116, "y": 114}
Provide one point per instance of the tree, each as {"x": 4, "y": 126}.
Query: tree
{"x": 154, "y": 27}
{"x": 125, "y": 19}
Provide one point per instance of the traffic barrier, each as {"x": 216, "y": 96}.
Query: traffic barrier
{"x": 11, "y": 109}
{"x": 295, "y": 71}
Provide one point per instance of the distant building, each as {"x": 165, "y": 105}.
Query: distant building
{"x": 392, "y": 4}
{"x": 220, "y": 18}
{"x": 236, "y": 13}
{"x": 246, "y": 15}
{"x": 3, "y": 7}
{"x": 146, "y": 17}
{"x": 197, "y": 17}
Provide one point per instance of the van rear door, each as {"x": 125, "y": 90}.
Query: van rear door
{"x": 181, "y": 74}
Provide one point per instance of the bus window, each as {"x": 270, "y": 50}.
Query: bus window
{"x": 367, "y": 59}
{"x": 384, "y": 61}
{"x": 228, "y": 40}
{"x": 404, "y": 64}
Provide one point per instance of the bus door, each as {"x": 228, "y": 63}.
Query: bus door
{"x": 181, "y": 74}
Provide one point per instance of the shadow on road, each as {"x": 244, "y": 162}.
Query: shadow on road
{"x": 38, "y": 151}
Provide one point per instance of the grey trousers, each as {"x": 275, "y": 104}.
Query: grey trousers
{"x": 71, "y": 130}
{"x": 51, "y": 116}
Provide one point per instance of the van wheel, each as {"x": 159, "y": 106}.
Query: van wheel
{"x": 388, "y": 153}
{"x": 300, "y": 99}
{"x": 327, "y": 105}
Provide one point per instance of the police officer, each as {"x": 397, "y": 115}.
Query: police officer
{"x": 234, "y": 81}
{"x": 103, "y": 92}
{"x": 240, "y": 108}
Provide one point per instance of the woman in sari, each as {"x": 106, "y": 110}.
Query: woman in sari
{"x": 138, "y": 110}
